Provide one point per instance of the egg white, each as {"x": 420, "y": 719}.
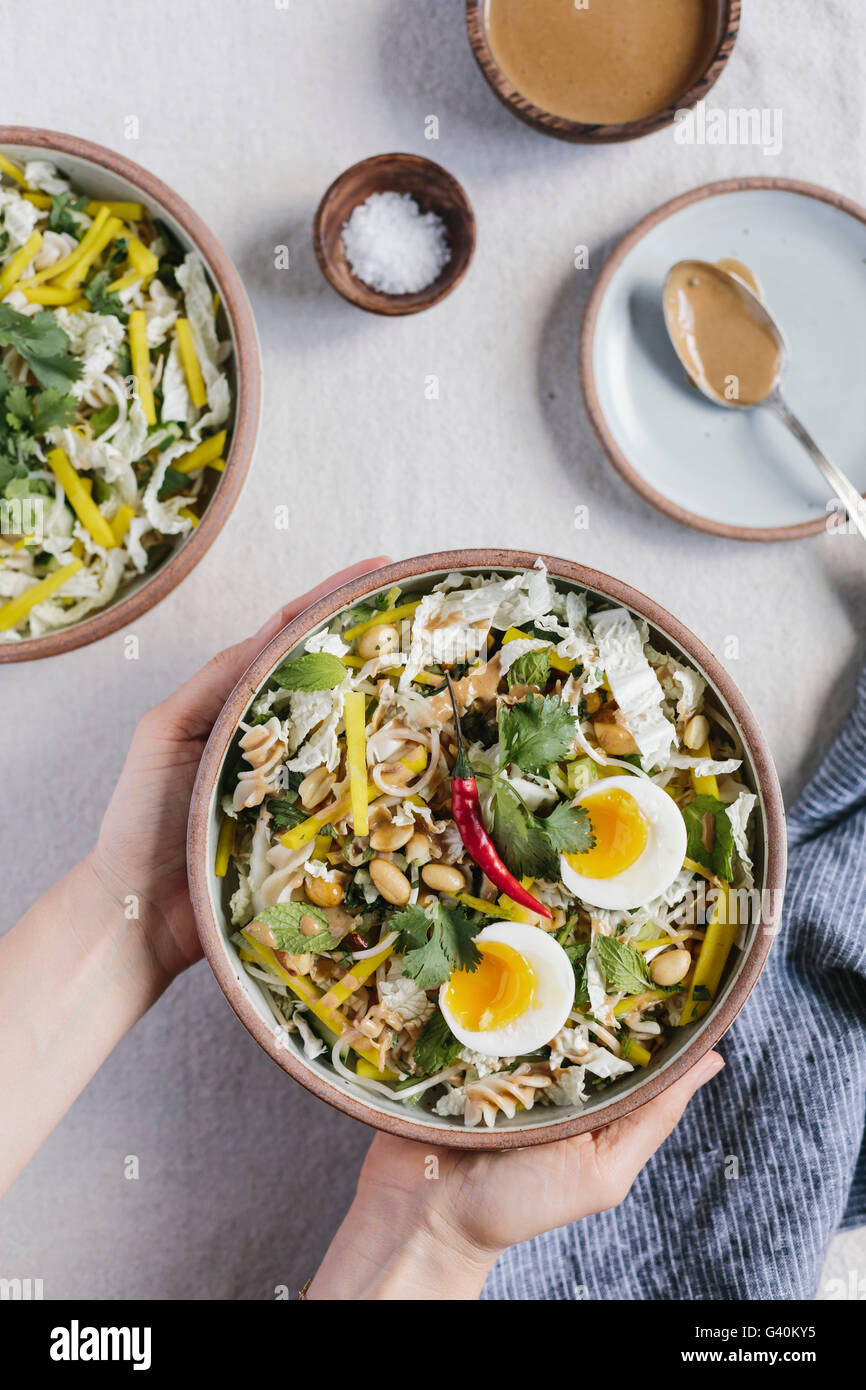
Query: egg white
{"x": 658, "y": 865}
{"x": 554, "y": 994}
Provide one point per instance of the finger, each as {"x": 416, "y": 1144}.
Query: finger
{"x": 624, "y": 1147}
{"x": 193, "y": 708}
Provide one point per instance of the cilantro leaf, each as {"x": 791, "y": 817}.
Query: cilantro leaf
{"x": 312, "y": 671}
{"x": 519, "y": 836}
{"x": 53, "y": 407}
{"x": 569, "y": 829}
{"x": 61, "y": 217}
{"x": 99, "y": 299}
{"x": 536, "y": 732}
{"x": 284, "y": 920}
{"x": 577, "y": 955}
{"x": 440, "y": 943}
{"x": 42, "y": 343}
{"x": 710, "y": 835}
{"x": 286, "y": 811}
{"x": 533, "y": 668}
{"x": 436, "y": 1048}
{"x": 624, "y": 967}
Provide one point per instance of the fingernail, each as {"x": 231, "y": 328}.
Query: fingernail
{"x": 707, "y": 1068}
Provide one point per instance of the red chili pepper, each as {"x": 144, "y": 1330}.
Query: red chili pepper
{"x": 466, "y": 811}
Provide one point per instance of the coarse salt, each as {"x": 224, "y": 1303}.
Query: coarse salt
{"x": 393, "y": 246}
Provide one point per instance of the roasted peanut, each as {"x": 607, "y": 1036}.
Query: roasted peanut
{"x": 324, "y": 892}
{"x": 394, "y": 886}
{"x": 444, "y": 878}
{"x": 670, "y": 967}
{"x": 419, "y": 849}
{"x": 592, "y": 702}
{"x": 697, "y": 731}
{"x": 378, "y": 641}
{"x": 391, "y": 836}
{"x": 613, "y": 738}
{"x": 315, "y": 787}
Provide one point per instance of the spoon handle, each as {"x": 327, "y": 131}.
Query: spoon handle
{"x": 842, "y": 486}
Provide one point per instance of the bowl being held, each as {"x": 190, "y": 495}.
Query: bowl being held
{"x": 495, "y": 1108}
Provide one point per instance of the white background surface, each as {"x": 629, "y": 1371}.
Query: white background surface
{"x": 249, "y": 111}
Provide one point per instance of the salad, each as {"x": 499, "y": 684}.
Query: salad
{"x": 484, "y": 848}
{"x": 114, "y": 399}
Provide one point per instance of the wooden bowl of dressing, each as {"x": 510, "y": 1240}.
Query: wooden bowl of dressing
{"x": 595, "y": 73}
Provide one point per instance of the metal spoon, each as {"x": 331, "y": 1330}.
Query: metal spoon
{"x": 757, "y": 310}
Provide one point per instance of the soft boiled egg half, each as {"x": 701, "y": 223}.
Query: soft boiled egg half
{"x": 640, "y": 844}
{"x": 517, "y": 998}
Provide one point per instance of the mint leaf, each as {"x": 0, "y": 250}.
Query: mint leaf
{"x": 533, "y": 668}
{"x": 172, "y": 481}
{"x": 436, "y": 1048}
{"x": 286, "y": 811}
{"x": 537, "y": 731}
{"x": 710, "y": 835}
{"x": 624, "y": 967}
{"x": 284, "y": 920}
{"x": 312, "y": 671}
{"x": 100, "y": 420}
{"x": 42, "y": 343}
{"x": 569, "y": 829}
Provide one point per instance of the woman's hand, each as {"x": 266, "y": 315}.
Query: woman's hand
{"x": 141, "y": 850}
{"x": 429, "y": 1223}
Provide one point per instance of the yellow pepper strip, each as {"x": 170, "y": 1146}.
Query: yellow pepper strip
{"x": 77, "y": 548}
{"x": 12, "y": 170}
{"x": 302, "y": 834}
{"x": 52, "y": 272}
{"x": 386, "y": 615}
{"x": 51, "y": 294}
{"x": 225, "y": 847}
{"x": 363, "y": 1068}
{"x": 307, "y": 991}
{"x": 132, "y": 277}
{"x": 499, "y": 910}
{"x": 19, "y": 262}
{"x": 322, "y": 845}
{"x": 191, "y": 368}
{"x": 25, "y": 540}
{"x": 39, "y": 200}
{"x": 639, "y": 1001}
{"x": 17, "y": 608}
{"x": 218, "y": 465}
{"x": 695, "y": 868}
{"x": 140, "y": 355}
{"x": 141, "y": 258}
{"x": 77, "y": 305}
{"x": 208, "y": 451}
{"x": 648, "y": 945}
{"x": 516, "y": 913}
{"x": 76, "y": 273}
{"x": 428, "y": 678}
{"x": 416, "y": 762}
{"x": 559, "y": 663}
{"x": 716, "y": 946}
{"x": 120, "y": 521}
{"x": 129, "y": 212}
{"x": 633, "y": 1052}
{"x": 80, "y": 500}
{"x": 357, "y": 975}
{"x": 87, "y": 485}
{"x": 189, "y": 515}
{"x": 354, "y": 713}
{"x": 705, "y": 786}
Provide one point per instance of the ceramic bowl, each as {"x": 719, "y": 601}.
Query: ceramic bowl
{"x": 104, "y": 174}
{"x": 542, "y": 1124}
{"x": 580, "y": 132}
{"x": 433, "y": 189}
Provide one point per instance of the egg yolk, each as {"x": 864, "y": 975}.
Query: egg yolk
{"x": 621, "y": 832}
{"x": 497, "y": 991}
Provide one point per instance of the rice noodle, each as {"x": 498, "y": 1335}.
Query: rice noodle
{"x": 380, "y": 946}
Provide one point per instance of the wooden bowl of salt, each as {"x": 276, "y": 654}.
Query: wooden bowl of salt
{"x": 394, "y": 234}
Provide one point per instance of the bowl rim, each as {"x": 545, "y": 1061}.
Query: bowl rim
{"x": 583, "y": 132}
{"x": 211, "y": 936}
{"x": 247, "y": 403}
{"x": 391, "y": 305}
{"x": 586, "y": 370}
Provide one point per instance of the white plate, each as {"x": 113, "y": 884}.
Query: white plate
{"x": 735, "y": 473}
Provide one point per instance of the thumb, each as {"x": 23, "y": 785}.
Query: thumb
{"x": 628, "y": 1144}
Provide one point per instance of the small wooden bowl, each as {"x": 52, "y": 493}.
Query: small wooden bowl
{"x": 561, "y": 127}
{"x": 434, "y": 190}
{"x": 106, "y": 174}
{"x": 539, "y": 1126}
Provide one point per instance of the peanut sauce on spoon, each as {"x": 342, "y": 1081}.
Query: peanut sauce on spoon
{"x": 717, "y": 329}
{"x": 604, "y": 62}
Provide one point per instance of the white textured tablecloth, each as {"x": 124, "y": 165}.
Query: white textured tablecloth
{"x": 249, "y": 109}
